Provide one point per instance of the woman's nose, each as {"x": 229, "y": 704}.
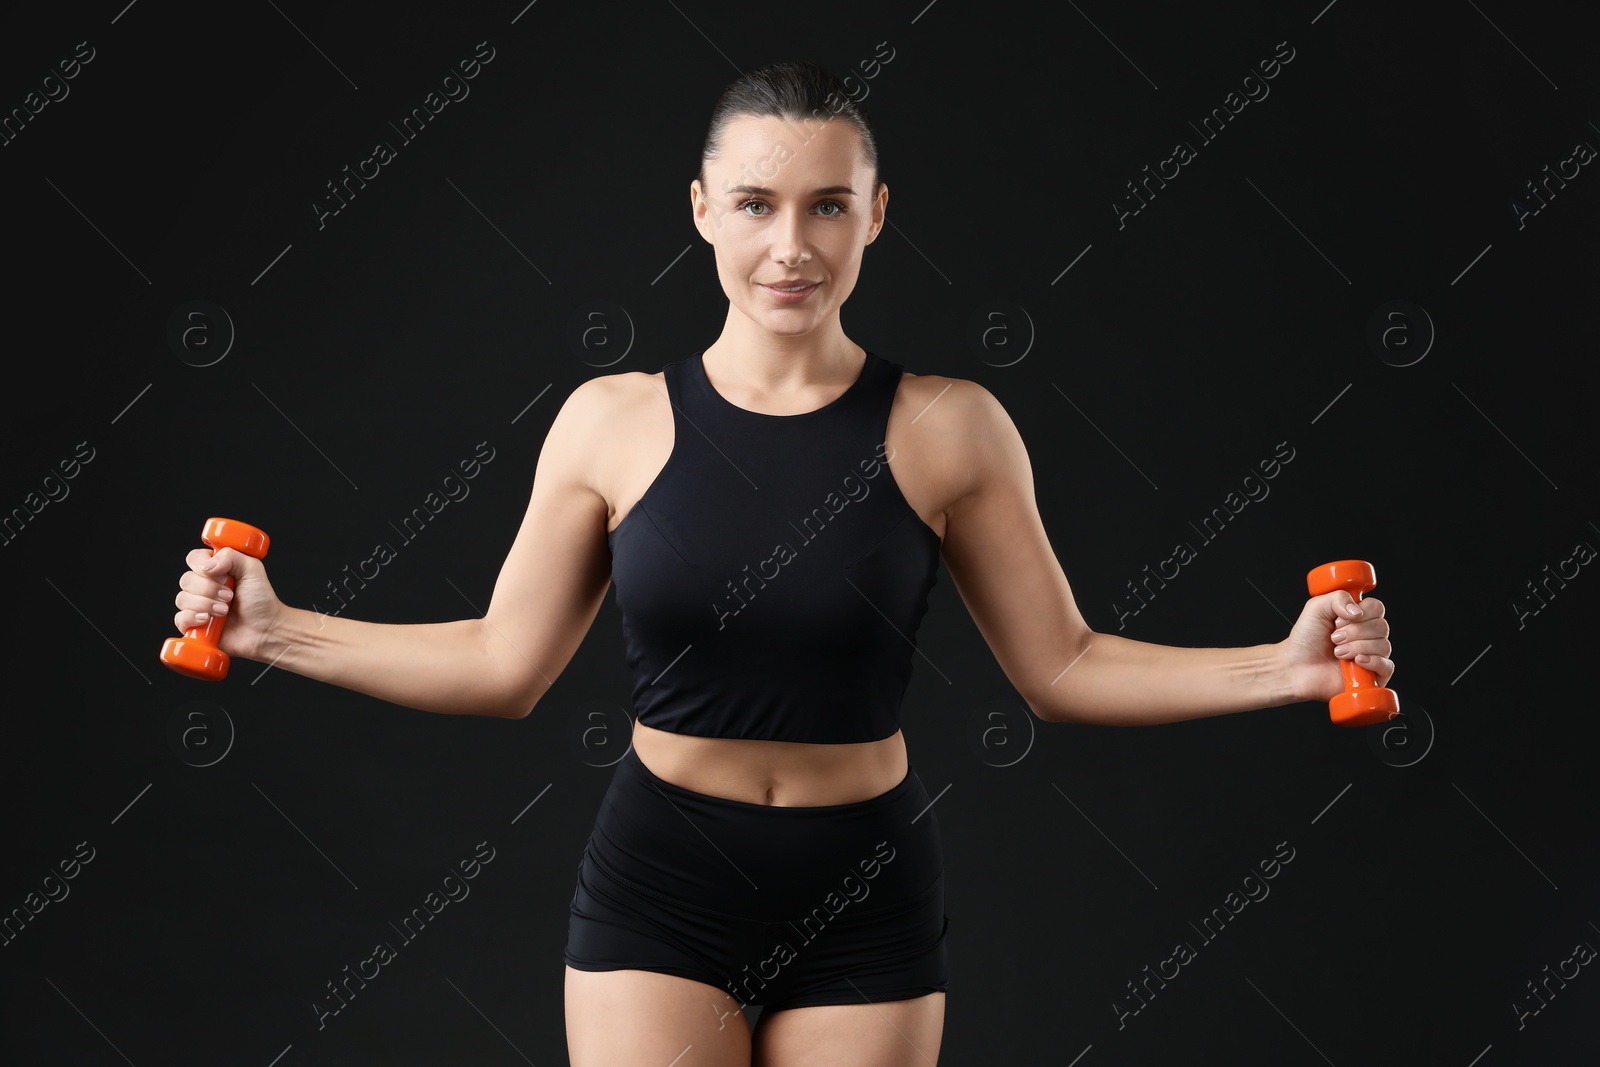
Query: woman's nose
{"x": 789, "y": 241}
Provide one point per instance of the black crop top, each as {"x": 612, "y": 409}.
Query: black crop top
{"x": 771, "y": 579}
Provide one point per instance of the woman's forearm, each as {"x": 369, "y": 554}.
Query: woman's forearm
{"x": 1117, "y": 681}
{"x": 444, "y": 667}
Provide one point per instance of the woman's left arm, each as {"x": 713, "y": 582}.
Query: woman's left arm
{"x": 1002, "y": 564}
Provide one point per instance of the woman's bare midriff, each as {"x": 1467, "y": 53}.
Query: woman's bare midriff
{"x": 791, "y": 774}
{"x": 780, "y": 773}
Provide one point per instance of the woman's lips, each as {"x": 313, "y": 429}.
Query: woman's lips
{"x": 795, "y": 297}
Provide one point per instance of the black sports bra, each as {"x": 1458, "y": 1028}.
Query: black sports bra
{"x": 772, "y": 578}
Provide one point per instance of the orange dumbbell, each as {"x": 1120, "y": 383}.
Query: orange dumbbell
{"x": 1363, "y": 701}
{"x": 196, "y": 653}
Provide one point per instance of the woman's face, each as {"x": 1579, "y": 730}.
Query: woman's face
{"x": 788, "y": 202}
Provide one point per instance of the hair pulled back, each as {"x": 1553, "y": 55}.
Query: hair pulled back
{"x": 797, "y": 92}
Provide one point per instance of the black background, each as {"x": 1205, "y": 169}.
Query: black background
{"x": 1439, "y": 863}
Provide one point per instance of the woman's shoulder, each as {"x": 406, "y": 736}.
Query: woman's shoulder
{"x": 948, "y": 405}
{"x": 620, "y": 395}
{"x": 955, "y": 437}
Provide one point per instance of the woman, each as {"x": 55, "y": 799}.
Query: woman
{"x": 773, "y": 521}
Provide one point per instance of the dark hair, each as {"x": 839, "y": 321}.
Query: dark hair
{"x": 794, "y": 91}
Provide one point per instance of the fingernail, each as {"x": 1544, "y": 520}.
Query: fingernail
{"x": 1355, "y": 609}
{"x": 224, "y": 594}
{"x": 1338, "y": 635}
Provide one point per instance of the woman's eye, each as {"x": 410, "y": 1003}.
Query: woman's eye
{"x": 751, "y": 203}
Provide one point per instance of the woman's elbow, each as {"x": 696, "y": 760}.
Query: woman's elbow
{"x": 515, "y": 709}
{"x": 1057, "y": 700}
{"x": 518, "y": 703}
{"x": 1049, "y": 707}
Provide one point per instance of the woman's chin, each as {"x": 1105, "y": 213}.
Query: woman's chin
{"x": 788, "y": 322}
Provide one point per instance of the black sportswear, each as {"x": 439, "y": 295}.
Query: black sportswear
{"x": 772, "y": 578}
{"x": 785, "y": 907}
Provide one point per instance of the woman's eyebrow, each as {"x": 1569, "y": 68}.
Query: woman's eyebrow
{"x": 827, "y": 190}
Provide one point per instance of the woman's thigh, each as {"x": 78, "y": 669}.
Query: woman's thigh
{"x": 891, "y": 1033}
{"x": 632, "y": 1016}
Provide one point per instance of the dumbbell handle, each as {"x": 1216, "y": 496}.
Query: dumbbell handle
{"x": 211, "y": 632}
{"x": 1355, "y": 675}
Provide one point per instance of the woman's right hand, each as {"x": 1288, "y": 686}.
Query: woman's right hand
{"x": 251, "y": 608}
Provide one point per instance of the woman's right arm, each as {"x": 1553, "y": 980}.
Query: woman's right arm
{"x": 548, "y": 592}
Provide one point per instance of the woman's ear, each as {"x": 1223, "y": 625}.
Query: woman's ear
{"x": 880, "y": 208}
{"x": 704, "y": 210}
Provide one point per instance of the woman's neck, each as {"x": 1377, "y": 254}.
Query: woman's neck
{"x": 767, "y": 362}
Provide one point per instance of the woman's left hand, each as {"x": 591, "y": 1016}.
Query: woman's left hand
{"x": 1327, "y": 632}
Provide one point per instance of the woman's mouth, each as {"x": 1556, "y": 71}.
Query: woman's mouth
{"x": 789, "y": 294}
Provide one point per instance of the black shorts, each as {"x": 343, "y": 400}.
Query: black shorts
{"x": 783, "y": 907}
